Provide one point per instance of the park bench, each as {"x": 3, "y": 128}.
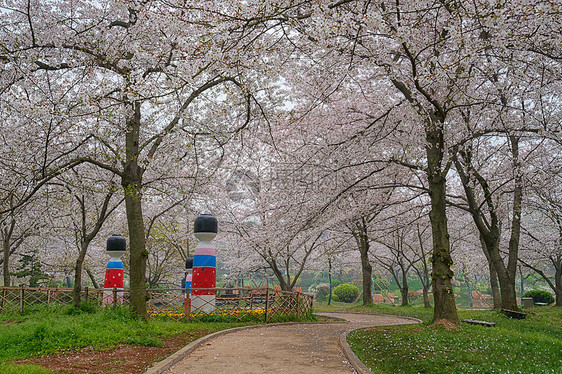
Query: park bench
{"x": 513, "y": 313}
{"x": 228, "y": 298}
{"x": 481, "y": 323}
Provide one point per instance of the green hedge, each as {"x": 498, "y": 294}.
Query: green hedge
{"x": 540, "y": 296}
{"x": 346, "y": 293}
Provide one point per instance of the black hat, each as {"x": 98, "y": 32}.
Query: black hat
{"x": 205, "y": 223}
{"x": 116, "y": 243}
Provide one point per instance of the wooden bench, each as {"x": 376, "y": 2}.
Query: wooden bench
{"x": 513, "y": 313}
{"x": 481, "y": 323}
{"x": 228, "y": 300}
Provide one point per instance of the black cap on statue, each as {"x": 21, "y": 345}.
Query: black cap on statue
{"x": 205, "y": 223}
{"x": 116, "y": 243}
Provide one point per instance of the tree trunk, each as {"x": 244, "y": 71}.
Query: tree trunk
{"x": 76, "y": 292}
{"x": 7, "y": 233}
{"x": 505, "y": 280}
{"x": 506, "y": 297}
{"x": 489, "y": 229}
{"x": 330, "y": 280}
{"x": 424, "y": 279}
{"x": 469, "y": 291}
{"x": 445, "y": 310}
{"x": 404, "y": 289}
{"x": 6, "y": 263}
{"x": 367, "y": 270}
{"x": 426, "y": 303}
{"x": 558, "y": 283}
{"x": 76, "y": 299}
{"x": 92, "y": 278}
{"x": 496, "y": 298}
{"x": 285, "y": 286}
{"x": 138, "y": 254}
{"x": 509, "y": 296}
{"x": 132, "y": 187}
{"x": 362, "y": 240}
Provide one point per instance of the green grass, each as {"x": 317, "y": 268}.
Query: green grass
{"x": 43, "y": 332}
{"x": 418, "y": 311}
{"x": 23, "y": 369}
{"x": 532, "y": 345}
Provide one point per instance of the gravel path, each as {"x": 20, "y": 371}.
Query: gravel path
{"x": 293, "y": 348}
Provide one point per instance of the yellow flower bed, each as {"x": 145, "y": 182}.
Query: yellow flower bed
{"x": 223, "y": 313}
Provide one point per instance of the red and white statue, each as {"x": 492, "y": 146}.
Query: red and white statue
{"x": 204, "y": 265}
{"x": 114, "y": 271}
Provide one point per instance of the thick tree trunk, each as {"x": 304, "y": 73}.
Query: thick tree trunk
{"x": 132, "y": 187}
{"x": 507, "y": 295}
{"x": 367, "y": 271}
{"x": 445, "y": 310}
{"x": 138, "y": 254}
{"x": 496, "y": 297}
{"x": 505, "y": 280}
{"x": 285, "y": 286}
{"x": 362, "y": 240}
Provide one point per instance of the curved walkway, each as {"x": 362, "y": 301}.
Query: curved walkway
{"x": 310, "y": 348}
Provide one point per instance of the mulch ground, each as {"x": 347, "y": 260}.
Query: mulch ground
{"x": 123, "y": 359}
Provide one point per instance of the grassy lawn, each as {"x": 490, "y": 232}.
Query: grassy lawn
{"x": 43, "y": 332}
{"x": 532, "y": 345}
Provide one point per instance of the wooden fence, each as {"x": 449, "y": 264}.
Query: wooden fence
{"x": 237, "y": 303}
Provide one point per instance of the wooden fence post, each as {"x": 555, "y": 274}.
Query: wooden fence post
{"x": 86, "y": 293}
{"x": 114, "y": 296}
{"x": 21, "y": 299}
{"x": 267, "y": 305}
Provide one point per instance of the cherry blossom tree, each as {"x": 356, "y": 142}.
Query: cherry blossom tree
{"x": 543, "y": 227}
{"x": 141, "y": 73}
{"x": 439, "y": 58}
{"x": 15, "y": 228}
{"x": 88, "y": 195}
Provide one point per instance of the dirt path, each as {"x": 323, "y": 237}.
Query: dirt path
{"x": 296, "y": 348}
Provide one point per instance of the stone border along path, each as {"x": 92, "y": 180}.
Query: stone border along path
{"x": 288, "y": 348}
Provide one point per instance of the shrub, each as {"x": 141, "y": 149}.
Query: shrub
{"x": 346, "y": 292}
{"x": 540, "y": 296}
{"x": 322, "y": 292}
